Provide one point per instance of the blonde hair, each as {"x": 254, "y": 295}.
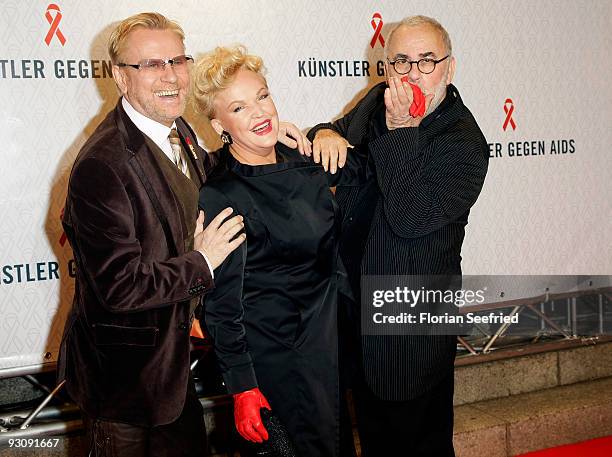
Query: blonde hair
{"x": 151, "y": 21}
{"x": 413, "y": 21}
{"x": 216, "y": 70}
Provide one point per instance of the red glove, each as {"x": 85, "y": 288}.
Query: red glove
{"x": 418, "y": 99}
{"x": 247, "y": 417}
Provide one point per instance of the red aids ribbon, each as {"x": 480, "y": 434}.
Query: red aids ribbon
{"x": 54, "y": 23}
{"x": 377, "y": 25}
{"x": 191, "y": 148}
{"x": 509, "y": 109}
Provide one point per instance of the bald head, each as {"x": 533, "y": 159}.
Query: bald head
{"x": 414, "y": 21}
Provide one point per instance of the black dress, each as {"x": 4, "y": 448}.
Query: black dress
{"x": 272, "y": 314}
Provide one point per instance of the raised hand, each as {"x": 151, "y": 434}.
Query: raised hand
{"x": 399, "y": 100}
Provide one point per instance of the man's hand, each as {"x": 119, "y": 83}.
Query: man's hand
{"x": 398, "y": 99}
{"x": 292, "y": 137}
{"x": 329, "y": 148}
{"x": 247, "y": 416}
{"x": 215, "y": 241}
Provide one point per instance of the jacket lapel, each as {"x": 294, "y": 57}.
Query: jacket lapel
{"x": 196, "y": 155}
{"x": 152, "y": 178}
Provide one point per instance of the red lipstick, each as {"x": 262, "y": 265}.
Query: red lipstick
{"x": 263, "y": 131}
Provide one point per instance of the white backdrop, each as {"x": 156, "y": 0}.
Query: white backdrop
{"x": 538, "y": 214}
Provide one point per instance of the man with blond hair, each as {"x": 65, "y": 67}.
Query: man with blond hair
{"x": 143, "y": 260}
{"x": 426, "y": 167}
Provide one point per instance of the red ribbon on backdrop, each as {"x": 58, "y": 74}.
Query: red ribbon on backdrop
{"x": 509, "y": 109}
{"x": 377, "y": 25}
{"x": 54, "y": 24}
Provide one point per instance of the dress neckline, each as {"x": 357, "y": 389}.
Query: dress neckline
{"x": 286, "y": 159}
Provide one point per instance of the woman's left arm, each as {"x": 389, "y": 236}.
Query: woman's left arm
{"x": 223, "y": 311}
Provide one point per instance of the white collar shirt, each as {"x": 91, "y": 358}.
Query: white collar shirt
{"x": 159, "y": 135}
{"x": 157, "y": 132}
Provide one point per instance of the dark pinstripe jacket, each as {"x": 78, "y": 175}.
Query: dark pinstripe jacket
{"x": 427, "y": 179}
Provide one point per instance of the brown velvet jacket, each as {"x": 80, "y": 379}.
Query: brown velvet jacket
{"x": 125, "y": 350}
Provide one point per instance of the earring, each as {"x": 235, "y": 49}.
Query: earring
{"x": 226, "y": 137}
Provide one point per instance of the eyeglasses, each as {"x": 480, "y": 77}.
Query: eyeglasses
{"x": 179, "y": 63}
{"x": 425, "y": 66}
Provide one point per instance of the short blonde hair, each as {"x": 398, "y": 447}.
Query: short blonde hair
{"x": 216, "y": 70}
{"x": 413, "y": 21}
{"x": 151, "y": 21}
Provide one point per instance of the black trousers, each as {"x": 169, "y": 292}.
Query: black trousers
{"x": 185, "y": 437}
{"x": 421, "y": 427}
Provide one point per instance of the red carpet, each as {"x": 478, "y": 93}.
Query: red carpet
{"x": 600, "y": 447}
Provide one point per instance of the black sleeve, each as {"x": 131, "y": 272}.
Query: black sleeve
{"x": 223, "y": 311}
{"x": 354, "y": 126}
{"x": 354, "y": 170}
{"x": 422, "y": 194}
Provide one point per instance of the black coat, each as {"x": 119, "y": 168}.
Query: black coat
{"x": 411, "y": 221}
{"x": 272, "y": 315}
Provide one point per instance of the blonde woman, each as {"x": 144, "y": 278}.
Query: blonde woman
{"x": 272, "y": 315}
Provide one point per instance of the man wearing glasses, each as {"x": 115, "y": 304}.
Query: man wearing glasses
{"x": 426, "y": 168}
{"x": 142, "y": 259}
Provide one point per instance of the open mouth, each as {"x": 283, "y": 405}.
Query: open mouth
{"x": 263, "y": 128}
{"x": 167, "y": 93}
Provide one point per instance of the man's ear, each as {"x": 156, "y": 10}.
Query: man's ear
{"x": 120, "y": 79}
{"x": 451, "y": 71}
{"x": 216, "y": 124}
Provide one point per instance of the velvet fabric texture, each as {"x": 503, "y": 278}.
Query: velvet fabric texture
{"x": 125, "y": 350}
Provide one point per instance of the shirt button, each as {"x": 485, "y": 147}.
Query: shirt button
{"x": 183, "y": 326}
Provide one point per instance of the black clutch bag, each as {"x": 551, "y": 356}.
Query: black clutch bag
{"x": 278, "y": 443}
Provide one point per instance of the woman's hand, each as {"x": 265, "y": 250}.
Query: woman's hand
{"x": 292, "y": 137}
{"x": 247, "y": 416}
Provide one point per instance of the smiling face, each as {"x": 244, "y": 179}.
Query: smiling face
{"x": 246, "y": 111}
{"x": 159, "y": 95}
{"x": 417, "y": 42}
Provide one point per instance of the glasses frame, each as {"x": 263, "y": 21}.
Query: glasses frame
{"x": 418, "y": 62}
{"x": 164, "y": 62}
